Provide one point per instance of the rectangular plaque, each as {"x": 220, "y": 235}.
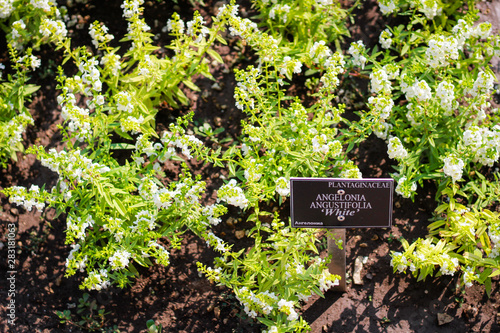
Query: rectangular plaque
{"x": 341, "y": 203}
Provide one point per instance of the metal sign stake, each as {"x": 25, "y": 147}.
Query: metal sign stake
{"x": 338, "y": 264}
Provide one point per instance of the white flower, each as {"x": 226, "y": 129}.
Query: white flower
{"x": 175, "y": 25}
{"x": 395, "y": 149}
{"x": 385, "y": 39}
{"x": 404, "y": 188}
{"x": 99, "y": 100}
{"x": 469, "y": 276}
{"x": 387, "y": 6}
{"x": 31, "y": 61}
{"x": 119, "y": 260}
{"x": 253, "y": 172}
{"x": 473, "y": 138}
{"x": 53, "y": 28}
{"x": 419, "y": 90}
{"x": 232, "y": 194}
{"x": 381, "y": 129}
{"x": 41, "y": 4}
{"x": 97, "y": 281}
{"x": 482, "y": 31}
{"x": 445, "y": 91}
{"x": 282, "y": 186}
{"x": 124, "y": 102}
{"x": 216, "y": 242}
{"x": 453, "y": 167}
{"x": 99, "y": 34}
{"x": 430, "y": 8}
{"x": 273, "y": 329}
{"x": 441, "y": 50}
{"x": 399, "y": 259}
{"x": 379, "y": 81}
{"x": 290, "y": 64}
{"x": 326, "y": 281}
{"x": 131, "y": 7}
{"x": 6, "y": 8}
{"x": 483, "y": 84}
{"x": 287, "y": 307}
{"x": 319, "y": 51}
{"x": 356, "y": 50}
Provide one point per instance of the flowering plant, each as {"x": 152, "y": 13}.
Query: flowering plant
{"x": 431, "y": 89}
{"x": 121, "y": 212}
{"x": 288, "y": 256}
{"x": 14, "y": 93}
{"x": 417, "y": 109}
{"x": 297, "y": 25}
{"x": 114, "y": 209}
{"x": 31, "y": 21}
{"x": 461, "y": 239}
{"x": 430, "y": 86}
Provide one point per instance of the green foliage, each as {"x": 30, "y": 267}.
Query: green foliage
{"x": 430, "y": 85}
{"x": 15, "y": 92}
{"x": 298, "y": 24}
{"x": 88, "y": 317}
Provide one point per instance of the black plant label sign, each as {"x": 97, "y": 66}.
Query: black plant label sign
{"x": 341, "y": 203}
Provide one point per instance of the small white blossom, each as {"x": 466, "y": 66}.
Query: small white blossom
{"x": 356, "y": 50}
{"x": 119, "y": 260}
{"x": 395, "y": 149}
{"x": 441, "y": 50}
{"x": 232, "y": 194}
{"x": 385, "y": 39}
{"x": 282, "y": 186}
{"x": 453, "y": 167}
{"x": 387, "y": 6}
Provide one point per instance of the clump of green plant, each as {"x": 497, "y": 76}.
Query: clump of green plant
{"x": 431, "y": 86}
{"x": 15, "y": 92}
{"x": 297, "y": 25}
{"x": 31, "y": 22}
{"x": 272, "y": 279}
{"x": 89, "y": 316}
{"x": 118, "y": 210}
{"x": 153, "y": 328}
{"x": 280, "y": 139}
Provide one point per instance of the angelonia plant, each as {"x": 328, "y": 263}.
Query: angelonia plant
{"x": 431, "y": 86}
{"x": 281, "y": 138}
{"x": 297, "y": 25}
{"x": 121, "y": 211}
{"x": 429, "y": 90}
{"x": 15, "y": 92}
{"x": 21, "y": 21}
{"x": 30, "y": 22}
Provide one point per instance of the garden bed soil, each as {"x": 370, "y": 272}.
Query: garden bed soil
{"x": 176, "y": 296}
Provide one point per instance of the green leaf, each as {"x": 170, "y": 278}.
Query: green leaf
{"x": 232, "y": 169}
{"x": 487, "y": 285}
{"x": 472, "y": 256}
{"x": 221, "y": 39}
{"x": 191, "y": 85}
{"x": 495, "y": 273}
{"x": 266, "y": 322}
{"x": 181, "y": 97}
{"x": 133, "y": 78}
{"x": 133, "y": 270}
{"x": 485, "y": 275}
{"x": 215, "y": 56}
{"x": 119, "y": 206}
{"x": 405, "y": 49}
{"x": 117, "y": 146}
{"x": 30, "y": 89}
